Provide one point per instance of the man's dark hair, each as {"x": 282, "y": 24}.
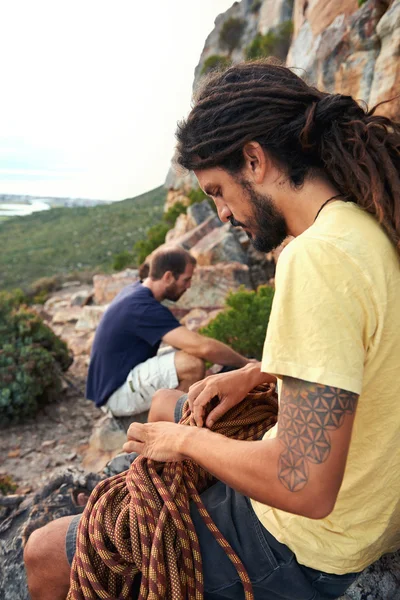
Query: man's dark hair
{"x": 303, "y": 129}
{"x": 173, "y": 258}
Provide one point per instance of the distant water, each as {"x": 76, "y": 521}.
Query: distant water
{"x": 21, "y": 210}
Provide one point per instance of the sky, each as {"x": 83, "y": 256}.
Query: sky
{"x": 92, "y": 91}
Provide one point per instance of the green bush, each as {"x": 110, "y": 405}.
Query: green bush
{"x": 31, "y": 360}
{"x": 173, "y": 213}
{"x": 243, "y": 323}
{"x": 275, "y": 42}
{"x": 215, "y": 62}
{"x": 155, "y": 237}
{"x": 197, "y": 195}
{"x": 231, "y": 33}
{"x": 123, "y": 259}
{"x": 255, "y": 6}
{"x": 7, "y": 485}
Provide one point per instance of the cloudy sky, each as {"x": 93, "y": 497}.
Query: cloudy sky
{"x": 92, "y": 90}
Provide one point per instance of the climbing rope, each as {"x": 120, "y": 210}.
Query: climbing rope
{"x": 139, "y": 521}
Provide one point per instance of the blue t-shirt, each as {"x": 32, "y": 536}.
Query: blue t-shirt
{"x": 129, "y": 333}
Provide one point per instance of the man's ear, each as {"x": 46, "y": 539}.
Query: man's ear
{"x": 168, "y": 277}
{"x": 257, "y": 162}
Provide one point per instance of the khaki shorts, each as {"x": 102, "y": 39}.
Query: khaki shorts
{"x": 135, "y": 395}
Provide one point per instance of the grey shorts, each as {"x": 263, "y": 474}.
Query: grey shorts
{"x": 272, "y": 567}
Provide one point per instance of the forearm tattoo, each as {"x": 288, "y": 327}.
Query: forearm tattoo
{"x": 307, "y": 412}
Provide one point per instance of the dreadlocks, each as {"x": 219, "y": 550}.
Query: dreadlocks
{"x": 303, "y": 129}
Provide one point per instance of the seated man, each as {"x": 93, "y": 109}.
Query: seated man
{"x": 125, "y": 370}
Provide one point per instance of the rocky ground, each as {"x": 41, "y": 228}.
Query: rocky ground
{"x": 58, "y": 437}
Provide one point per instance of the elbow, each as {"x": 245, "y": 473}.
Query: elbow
{"x": 317, "y": 507}
{"x": 204, "y": 350}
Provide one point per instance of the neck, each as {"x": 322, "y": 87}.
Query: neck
{"x": 300, "y": 207}
{"x": 156, "y": 287}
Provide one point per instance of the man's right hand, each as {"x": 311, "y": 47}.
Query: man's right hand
{"x": 230, "y": 388}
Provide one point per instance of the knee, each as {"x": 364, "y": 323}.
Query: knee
{"x": 35, "y": 556}
{"x": 156, "y": 411}
{"x": 196, "y": 368}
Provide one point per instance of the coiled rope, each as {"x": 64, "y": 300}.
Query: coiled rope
{"x": 139, "y": 520}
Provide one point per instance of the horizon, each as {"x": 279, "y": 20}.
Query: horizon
{"x": 84, "y": 114}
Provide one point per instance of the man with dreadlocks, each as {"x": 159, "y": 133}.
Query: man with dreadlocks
{"x": 316, "y": 500}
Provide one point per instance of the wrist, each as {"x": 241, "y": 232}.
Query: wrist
{"x": 190, "y": 438}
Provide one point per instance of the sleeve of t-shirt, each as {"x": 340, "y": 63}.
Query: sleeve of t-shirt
{"x": 155, "y": 321}
{"x": 322, "y": 318}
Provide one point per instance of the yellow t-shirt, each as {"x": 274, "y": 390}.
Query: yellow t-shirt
{"x": 335, "y": 320}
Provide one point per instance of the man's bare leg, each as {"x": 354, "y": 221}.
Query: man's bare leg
{"x": 163, "y": 405}
{"x": 46, "y": 564}
{"x": 189, "y": 369}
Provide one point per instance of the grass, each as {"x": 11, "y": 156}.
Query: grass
{"x": 61, "y": 240}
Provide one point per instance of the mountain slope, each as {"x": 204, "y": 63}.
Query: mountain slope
{"x": 66, "y": 239}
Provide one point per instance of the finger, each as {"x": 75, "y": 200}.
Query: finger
{"x": 194, "y": 391}
{"x": 217, "y": 413}
{"x": 133, "y": 446}
{"x": 200, "y": 403}
{"x": 136, "y": 432}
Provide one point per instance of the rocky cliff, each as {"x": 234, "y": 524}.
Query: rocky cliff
{"x": 346, "y": 46}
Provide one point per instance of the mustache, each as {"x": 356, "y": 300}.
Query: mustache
{"x": 235, "y": 223}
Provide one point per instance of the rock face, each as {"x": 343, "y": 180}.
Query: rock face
{"x": 219, "y": 246}
{"x": 380, "y": 581}
{"x": 192, "y": 237}
{"x": 106, "y": 287}
{"x": 341, "y": 46}
{"x": 90, "y": 317}
{"x": 386, "y": 81}
{"x": 55, "y": 500}
{"x": 210, "y": 285}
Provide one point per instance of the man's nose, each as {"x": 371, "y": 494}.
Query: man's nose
{"x": 223, "y": 211}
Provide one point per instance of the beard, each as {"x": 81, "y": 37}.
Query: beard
{"x": 172, "y": 293}
{"x": 268, "y": 226}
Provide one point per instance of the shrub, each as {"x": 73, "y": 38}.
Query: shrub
{"x": 215, "y": 62}
{"x": 31, "y": 360}
{"x": 231, "y": 33}
{"x": 243, "y": 323}
{"x": 275, "y": 42}
{"x": 7, "y": 485}
{"x": 197, "y": 195}
{"x": 155, "y": 237}
{"x": 122, "y": 260}
{"x": 255, "y": 6}
{"x": 173, "y": 213}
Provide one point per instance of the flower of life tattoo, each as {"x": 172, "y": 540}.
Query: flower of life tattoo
{"x": 306, "y": 415}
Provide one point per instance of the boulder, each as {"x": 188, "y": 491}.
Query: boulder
{"x": 191, "y": 238}
{"x": 210, "y": 286}
{"x": 195, "y": 319}
{"x": 80, "y": 344}
{"x": 90, "y": 317}
{"x": 106, "y": 441}
{"x": 182, "y": 226}
{"x": 380, "y": 581}
{"x": 69, "y": 314}
{"x": 56, "y": 499}
{"x": 199, "y": 212}
{"x": 106, "y": 287}
{"x": 81, "y": 298}
{"x": 218, "y": 246}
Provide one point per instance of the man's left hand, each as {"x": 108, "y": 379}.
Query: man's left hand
{"x": 159, "y": 441}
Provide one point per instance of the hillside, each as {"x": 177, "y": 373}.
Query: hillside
{"x": 62, "y": 240}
